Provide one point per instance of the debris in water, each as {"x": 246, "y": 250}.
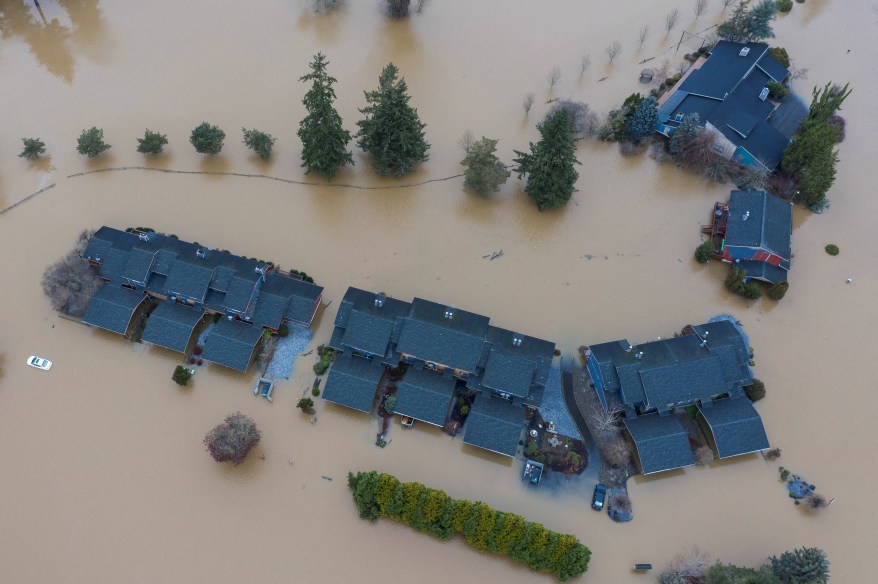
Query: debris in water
{"x": 603, "y": 78}
{"x": 850, "y": 280}
{"x": 326, "y": 477}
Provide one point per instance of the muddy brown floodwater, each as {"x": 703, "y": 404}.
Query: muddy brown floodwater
{"x": 104, "y": 478}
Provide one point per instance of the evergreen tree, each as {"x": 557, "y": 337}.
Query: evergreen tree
{"x": 826, "y": 102}
{"x": 704, "y": 252}
{"x": 259, "y": 142}
{"x": 152, "y": 142}
{"x": 817, "y": 178}
{"x": 643, "y": 120}
{"x": 207, "y": 139}
{"x": 687, "y": 129}
{"x": 484, "y": 172}
{"x": 391, "y": 131}
{"x": 324, "y": 139}
{"x": 91, "y": 142}
{"x": 720, "y": 573}
{"x": 551, "y": 177}
{"x": 33, "y": 148}
{"x": 759, "y": 20}
{"x": 811, "y": 142}
{"x": 749, "y": 24}
{"x": 801, "y": 566}
{"x": 181, "y": 375}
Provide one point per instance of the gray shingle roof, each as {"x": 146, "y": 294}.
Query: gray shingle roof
{"x": 189, "y": 279}
{"x": 723, "y": 69}
{"x": 230, "y": 343}
{"x": 449, "y": 347}
{"x": 737, "y": 428}
{"x": 662, "y": 443}
{"x": 509, "y": 373}
{"x": 425, "y": 395}
{"x": 368, "y": 333}
{"x": 768, "y": 226}
{"x": 683, "y": 381}
{"x": 171, "y": 325}
{"x": 494, "y": 424}
{"x": 111, "y": 308}
{"x": 353, "y": 382}
{"x": 137, "y": 268}
{"x": 241, "y": 291}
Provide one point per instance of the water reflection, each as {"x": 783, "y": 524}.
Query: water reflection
{"x": 49, "y": 29}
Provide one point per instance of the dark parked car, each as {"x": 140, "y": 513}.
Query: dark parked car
{"x": 600, "y": 495}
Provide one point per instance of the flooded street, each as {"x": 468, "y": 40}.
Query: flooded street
{"x": 104, "y": 476}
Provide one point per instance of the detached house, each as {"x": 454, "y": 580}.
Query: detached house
{"x": 446, "y": 349}
{"x": 190, "y": 281}
{"x": 707, "y": 368}
{"x": 758, "y": 235}
{"x": 728, "y": 92}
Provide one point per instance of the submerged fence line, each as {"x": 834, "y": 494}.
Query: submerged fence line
{"x": 27, "y": 198}
{"x": 265, "y": 176}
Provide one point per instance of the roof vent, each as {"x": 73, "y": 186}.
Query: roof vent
{"x": 763, "y": 94}
{"x": 638, "y": 355}
{"x": 630, "y": 348}
{"x": 745, "y": 51}
{"x": 143, "y": 236}
{"x": 260, "y": 270}
{"x": 516, "y": 341}
{"x": 449, "y": 312}
{"x": 379, "y": 299}
{"x": 201, "y": 253}
{"x": 745, "y": 216}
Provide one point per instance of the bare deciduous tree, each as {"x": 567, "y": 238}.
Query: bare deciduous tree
{"x": 727, "y": 3}
{"x": 584, "y": 63}
{"x": 421, "y": 5}
{"x": 613, "y": 50}
{"x": 269, "y": 346}
{"x": 71, "y": 282}
{"x": 583, "y": 121}
{"x": 689, "y": 566}
{"x": 466, "y": 141}
{"x": 642, "y": 34}
{"x": 698, "y": 150}
{"x": 616, "y": 452}
{"x": 661, "y": 73}
{"x": 604, "y": 421}
{"x": 327, "y": 5}
{"x": 699, "y": 8}
{"x": 797, "y": 72}
{"x": 527, "y": 103}
{"x": 815, "y": 502}
{"x": 671, "y": 19}
{"x": 554, "y": 76}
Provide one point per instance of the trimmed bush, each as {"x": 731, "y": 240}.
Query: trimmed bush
{"x": 207, "y": 139}
{"x": 832, "y": 249}
{"x": 776, "y": 89}
{"x": 181, "y": 375}
{"x": 306, "y": 404}
{"x": 779, "y": 290}
{"x": 91, "y": 142}
{"x": 755, "y": 391}
{"x": 232, "y": 439}
{"x": 283, "y": 330}
{"x": 33, "y": 148}
{"x": 152, "y": 142}
{"x": 390, "y": 404}
{"x": 432, "y": 511}
{"x": 784, "y": 5}
{"x": 704, "y": 252}
{"x": 326, "y": 354}
{"x": 259, "y": 142}
{"x": 315, "y": 391}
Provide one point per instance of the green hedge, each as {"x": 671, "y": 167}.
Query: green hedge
{"x": 434, "y": 512}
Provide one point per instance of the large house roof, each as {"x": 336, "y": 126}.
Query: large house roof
{"x": 737, "y": 428}
{"x": 231, "y": 343}
{"x": 768, "y": 224}
{"x": 112, "y": 308}
{"x": 676, "y": 370}
{"x": 509, "y": 373}
{"x": 283, "y": 297}
{"x": 494, "y": 424}
{"x": 425, "y": 395}
{"x": 662, "y": 443}
{"x": 443, "y": 334}
{"x": 353, "y": 382}
{"x": 725, "y": 92}
{"x": 171, "y": 324}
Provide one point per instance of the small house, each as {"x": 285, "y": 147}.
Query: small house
{"x": 758, "y": 235}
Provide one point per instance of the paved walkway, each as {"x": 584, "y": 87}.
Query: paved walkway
{"x": 594, "y": 458}
{"x": 288, "y": 350}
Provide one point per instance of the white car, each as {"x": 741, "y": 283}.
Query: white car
{"x": 39, "y": 362}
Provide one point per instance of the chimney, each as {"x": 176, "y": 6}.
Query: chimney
{"x": 744, "y": 51}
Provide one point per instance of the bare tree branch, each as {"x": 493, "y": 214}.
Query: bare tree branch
{"x": 613, "y": 50}
{"x": 671, "y": 19}
{"x": 641, "y": 36}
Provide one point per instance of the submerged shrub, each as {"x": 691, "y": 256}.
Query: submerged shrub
{"x": 33, "y": 148}
{"x": 832, "y": 249}
{"x": 755, "y": 391}
{"x": 152, "y": 142}
{"x": 207, "y": 139}
{"x": 232, "y": 439}
{"x": 91, "y": 142}
{"x": 704, "y": 252}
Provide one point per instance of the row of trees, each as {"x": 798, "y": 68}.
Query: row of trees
{"x": 434, "y": 512}
{"x": 811, "y": 157}
{"x": 799, "y": 566}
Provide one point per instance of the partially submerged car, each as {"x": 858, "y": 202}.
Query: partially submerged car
{"x": 39, "y": 362}
{"x": 599, "y": 496}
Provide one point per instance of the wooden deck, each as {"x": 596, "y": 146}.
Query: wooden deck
{"x": 719, "y": 219}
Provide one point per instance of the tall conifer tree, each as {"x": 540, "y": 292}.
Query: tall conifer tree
{"x": 324, "y": 139}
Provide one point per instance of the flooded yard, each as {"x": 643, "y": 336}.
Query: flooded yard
{"x": 104, "y": 476}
